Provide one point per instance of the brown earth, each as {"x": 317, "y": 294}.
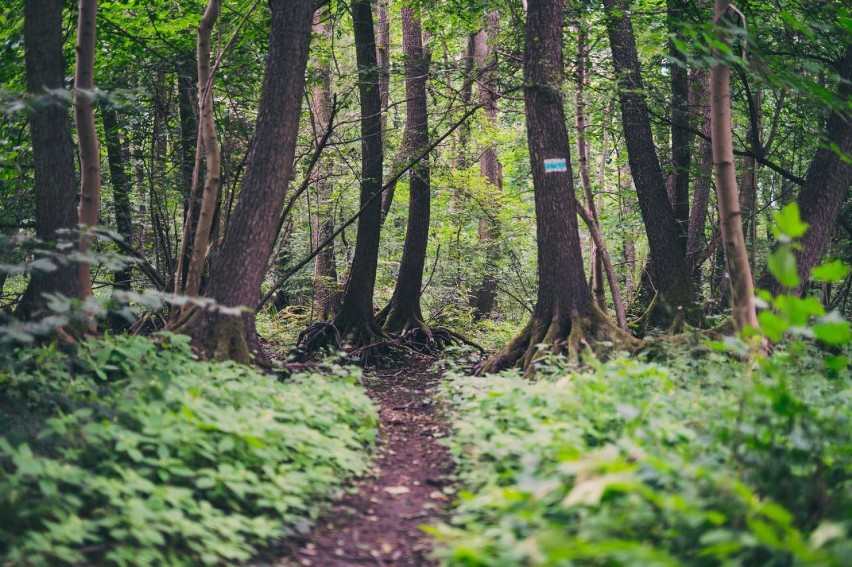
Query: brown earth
{"x": 379, "y": 522}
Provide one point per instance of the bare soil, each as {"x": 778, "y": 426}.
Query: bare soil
{"x": 379, "y": 523}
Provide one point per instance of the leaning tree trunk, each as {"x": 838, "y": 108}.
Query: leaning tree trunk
{"x": 669, "y": 271}
{"x": 489, "y": 168}
{"x": 87, "y": 137}
{"x": 826, "y": 183}
{"x": 53, "y": 151}
{"x": 736, "y": 255}
{"x": 565, "y": 315}
{"x": 355, "y": 322}
{"x": 326, "y": 293}
{"x": 403, "y": 313}
{"x": 213, "y": 158}
{"x": 244, "y": 256}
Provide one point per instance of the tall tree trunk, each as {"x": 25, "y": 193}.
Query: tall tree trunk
{"x": 213, "y": 158}
{"x": 244, "y": 256}
{"x": 326, "y": 292}
{"x": 187, "y": 73}
{"x": 668, "y": 271}
{"x": 120, "y": 190}
{"x": 749, "y": 179}
{"x": 678, "y": 181}
{"x": 696, "y": 242}
{"x": 355, "y": 322}
{"x": 826, "y": 183}
{"x": 736, "y": 255}
{"x": 53, "y": 151}
{"x": 87, "y": 138}
{"x": 565, "y": 314}
{"x": 403, "y": 312}
{"x": 383, "y": 55}
{"x": 489, "y": 168}
{"x": 584, "y": 161}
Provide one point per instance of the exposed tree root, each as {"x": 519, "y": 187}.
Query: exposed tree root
{"x": 576, "y": 337}
{"x": 359, "y": 336}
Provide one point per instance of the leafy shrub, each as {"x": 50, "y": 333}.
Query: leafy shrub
{"x": 707, "y": 461}
{"x": 125, "y": 452}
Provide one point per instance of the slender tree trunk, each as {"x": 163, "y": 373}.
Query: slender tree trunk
{"x": 326, "y": 291}
{"x": 87, "y": 138}
{"x": 826, "y": 183}
{"x": 355, "y": 322}
{"x": 403, "y": 312}
{"x": 584, "y": 161}
{"x": 213, "y": 158}
{"x": 668, "y": 271}
{"x": 736, "y": 255}
{"x": 244, "y": 256}
{"x": 120, "y": 190}
{"x": 565, "y": 315}
{"x": 53, "y": 151}
{"x": 678, "y": 181}
{"x": 383, "y": 55}
{"x": 696, "y": 242}
{"x": 748, "y": 186}
{"x": 188, "y": 112}
{"x": 490, "y": 169}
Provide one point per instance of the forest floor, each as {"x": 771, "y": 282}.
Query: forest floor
{"x": 378, "y": 523}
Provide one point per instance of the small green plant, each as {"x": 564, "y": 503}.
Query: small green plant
{"x": 123, "y": 451}
{"x": 707, "y": 460}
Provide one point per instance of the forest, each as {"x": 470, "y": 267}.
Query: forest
{"x": 408, "y": 283}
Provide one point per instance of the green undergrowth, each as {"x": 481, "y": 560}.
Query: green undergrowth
{"x": 698, "y": 460}
{"x": 123, "y": 451}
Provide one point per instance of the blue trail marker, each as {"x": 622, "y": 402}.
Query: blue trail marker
{"x": 554, "y": 165}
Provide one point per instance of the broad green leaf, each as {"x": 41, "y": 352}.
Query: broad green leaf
{"x": 833, "y": 271}
{"x": 782, "y": 265}
{"x": 789, "y": 223}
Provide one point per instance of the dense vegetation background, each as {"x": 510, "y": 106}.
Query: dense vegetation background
{"x": 639, "y": 211}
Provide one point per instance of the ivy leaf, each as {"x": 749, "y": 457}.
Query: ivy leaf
{"x": 782, "y": 265}
{"x": 831, "y": 271}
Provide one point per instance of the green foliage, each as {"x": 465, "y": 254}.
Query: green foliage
{"x": 703, "y": 462}
{"x": 122, "y": 451}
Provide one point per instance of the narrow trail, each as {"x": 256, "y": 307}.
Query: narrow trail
{"x": 379, "y": 524}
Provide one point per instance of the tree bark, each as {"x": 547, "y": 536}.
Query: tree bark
{"x": 87, "y": 138}
{"x": 668, "y": 271}
{"x": 326, "y": 292}
{"x": 584, "y": 162}
{"x": 53, "y": 152}
{"x": 696, "y": 242}
{"x": 355, "y": 322}
{"x": 244, "y": 256}
{"x": 564, "y": 315}
{"x": 489, "y": 168}
{"x": 826, "y": 183}
{"x": 120, "y": 190}
{"x": 213, "y": 158}
{"x": 188, "y": 112}
{"x": 403, "y": 313}
{"x": 678, "y": 182}
{"x": 730, "y": 220}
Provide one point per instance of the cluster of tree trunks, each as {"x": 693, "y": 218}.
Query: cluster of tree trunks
{"x": 570, "y": 310}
